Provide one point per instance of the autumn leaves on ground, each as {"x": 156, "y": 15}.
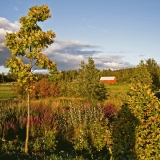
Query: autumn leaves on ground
{"x": 70, "y": 114}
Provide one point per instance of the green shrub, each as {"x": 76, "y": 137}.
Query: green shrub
{"x": 146, "y": 107}
{"x": 85, "y": 126}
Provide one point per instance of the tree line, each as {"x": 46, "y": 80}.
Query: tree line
{"x": 122, "y": 75}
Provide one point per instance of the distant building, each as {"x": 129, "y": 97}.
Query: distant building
{"x": 109, "y": 79}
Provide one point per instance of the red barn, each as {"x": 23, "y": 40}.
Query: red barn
{"x": 111, "y": 79}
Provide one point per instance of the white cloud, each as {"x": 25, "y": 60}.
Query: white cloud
{"x": 68, "y": 54}
{"x": 114, "y": 65}
{"x": 9, "y": 26}
{"x": 6, "y": 26}
{"x": 73, "y": 47}
{"x": 111, "y": 62}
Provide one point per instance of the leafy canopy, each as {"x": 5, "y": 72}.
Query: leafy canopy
{"x": 29, "y": 42}
{"x": 146, "y": 108}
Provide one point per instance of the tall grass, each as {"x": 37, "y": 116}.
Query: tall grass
{"x": 75, "y": 127}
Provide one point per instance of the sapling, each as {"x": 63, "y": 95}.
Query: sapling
{"x": 27, "y": 45}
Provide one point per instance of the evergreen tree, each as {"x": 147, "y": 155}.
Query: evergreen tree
{"x": 88, "y": 82}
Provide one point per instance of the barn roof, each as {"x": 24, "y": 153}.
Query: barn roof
{"x": 107, "y": 78}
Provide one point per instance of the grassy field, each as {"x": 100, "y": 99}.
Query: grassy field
{"x": 117, "y": 94}
{"x": 118, "y": 87}
{"x": 6, "y": 91}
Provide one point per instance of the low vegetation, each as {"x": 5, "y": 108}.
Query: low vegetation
{"x": 70, "y": 114}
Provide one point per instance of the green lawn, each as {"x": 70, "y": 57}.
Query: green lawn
{"x": 118, "y": 87}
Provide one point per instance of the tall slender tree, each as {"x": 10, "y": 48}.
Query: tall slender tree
{"x": 27, "y": 45}
{"x": 88, "y": 82}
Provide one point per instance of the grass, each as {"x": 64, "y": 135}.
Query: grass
{"x": 7, "y": 96}
{"x": 117, "y": 94}
{"x": 118, "y": 87}
{"x": 6, "y": 91}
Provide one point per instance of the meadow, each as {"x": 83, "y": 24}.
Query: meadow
{"x": 118, "y": 87}
{"x": 59, "y": 127}
{"x": 7, "y": 91}
{"x": 72, "y": 128}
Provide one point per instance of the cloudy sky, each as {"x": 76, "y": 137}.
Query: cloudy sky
{"x": 115, "y": 33}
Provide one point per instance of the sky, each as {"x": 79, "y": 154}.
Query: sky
{"x": 115, "y": 33}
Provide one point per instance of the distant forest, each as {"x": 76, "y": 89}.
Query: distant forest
{"x": 122, "y": 75}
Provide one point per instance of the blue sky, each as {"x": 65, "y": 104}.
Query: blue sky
{"x": 115, "y": 33}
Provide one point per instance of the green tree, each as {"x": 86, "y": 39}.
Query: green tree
{"x": 55, "y": 76}
{"x": 2, "y": 77}
{"x": 88, "y": 82}
{"x": 146, "y": 108}
{"x": 28, "y": 43}
{"x": 141, "y": 75}
{"x": 154, "y": 71}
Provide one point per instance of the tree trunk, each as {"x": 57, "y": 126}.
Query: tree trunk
{"x": 3, "y": 130}
{"x": 27, "y": 125}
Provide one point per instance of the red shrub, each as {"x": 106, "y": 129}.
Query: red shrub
{"x": 110, "y": 110}
{"x": 45, "y": 88}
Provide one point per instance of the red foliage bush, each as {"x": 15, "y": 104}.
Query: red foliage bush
{"x": 110, "y": 110}
{"x": 45, "y": 88}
